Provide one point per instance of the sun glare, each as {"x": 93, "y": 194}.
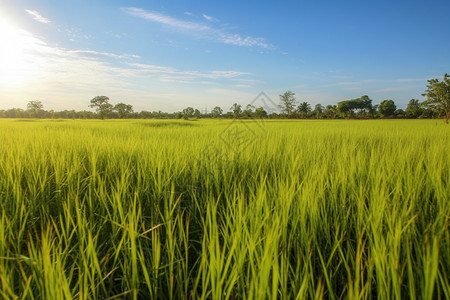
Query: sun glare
{"x": 16, "y": 67}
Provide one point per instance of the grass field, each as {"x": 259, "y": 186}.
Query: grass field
{"x": 219, "y": 209}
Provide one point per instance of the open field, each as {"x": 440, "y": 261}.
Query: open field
{"x": 224, "y": 209}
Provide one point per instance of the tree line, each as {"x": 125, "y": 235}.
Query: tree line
{"x": 436, "y": 105}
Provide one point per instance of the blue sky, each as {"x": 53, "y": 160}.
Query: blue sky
{"x": 167, "y": 55}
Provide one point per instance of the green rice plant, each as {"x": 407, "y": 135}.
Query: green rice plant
{"x": 221, "y": 209}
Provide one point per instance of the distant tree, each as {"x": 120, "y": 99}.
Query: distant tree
{"x": 160, "y": 114}
{"x": 355, "y": 107}
{"x": 373, "y": 112}
{"x": 197, "y": 114}
{"x": 331, "y": 111}
{"x": 101, "y": 105}
{"x": 188, "y": 112}
{"x": 236, "y": 109}
{"x": 428, "y": 110}
{"x": 248, "y": 111}
{"x": 318, "y": 111}
{"x": 71, "y": 114}
{"x": 274, "y": 115}
{"x": 413, "y": 109}
{"x": 346, "y": 108}
{"x": 216, "y": 112}
{"x": 304, "y": 109}
{"x": 438, "y": 95}
{"x": 364, "y": 102}
{"x": 260, "y": 113}
{"x": 15, "y": 113}
{"x": 144, "y": 114}
{"x": 85, "y": 114}
{"x": 364, "y": 107}
{"x": 228, "y": 115}
{"x": 287, "y": 103}
{"x": 123, "y": 109}
{"x": 387, "y": 108}
{"x": 399, "y": 113}
{"x": 35, "y": 107}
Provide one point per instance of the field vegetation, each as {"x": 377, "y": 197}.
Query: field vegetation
{"x": 224, "y": 209}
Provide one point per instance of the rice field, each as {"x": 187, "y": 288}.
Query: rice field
{"x": 220, "y": 209}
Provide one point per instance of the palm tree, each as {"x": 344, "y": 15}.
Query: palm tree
{"x": 237, "y": 110}
{"x": 304, "y": 108}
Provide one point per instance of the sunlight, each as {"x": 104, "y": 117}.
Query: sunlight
{"x": 17, "y": 65}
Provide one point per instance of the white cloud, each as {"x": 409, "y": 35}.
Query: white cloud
{"x": 237, "y": 40}
{"x": 37, "y": 16}
{"x": 68, "y": 78}
{"x": 166, "y": 20}
{"x": 54, "y": 62}
{"x": 168, "y": 74}
{"x": 87, "y": 53}
{"x": 200, "y": 29}
{"x": 209, "y": 18}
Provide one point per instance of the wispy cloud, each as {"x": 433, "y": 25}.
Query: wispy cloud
{"x": 170, "y": 74}
{"x": 67, "y": 77}
{"x": 200, "y": 29}
{"x": 37, "y": 16}
{"x": 209, "y": 18}
{"x": 47, "y": 72}
{"x": 94, "y": 53}
{"x": 237, "y": 40}
{"x": 166, "y": 20}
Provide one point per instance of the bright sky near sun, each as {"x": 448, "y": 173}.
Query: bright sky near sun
{"x": 167, "y": 55}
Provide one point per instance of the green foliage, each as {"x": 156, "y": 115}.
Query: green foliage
{"x": 287, "y": 103}
{"x": 237, "y": 110}
{"x": 156, "y": 209}
{"x": 413, "y": 109}
{"x": 35, "y": 107}
{"x": 331, "y": 111}
{"x": 216, "y": 112}
{"x": 260, "y": 113}
{"x": 101, "y": 105}
{"x": 188, "y": 112}
{"x": 438, "y": 94}
{"x": 318, "y": 111}
{"x": 248, "y": 111}
{"x": 304, "y": 109}
{"x": 362, "y": 106}
{"x": 197, "y": 113}
{"x": 123, "y": 109}
{"x": 387, "y": 108}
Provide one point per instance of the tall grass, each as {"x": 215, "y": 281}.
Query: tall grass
{"x": 190, "y": 210}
